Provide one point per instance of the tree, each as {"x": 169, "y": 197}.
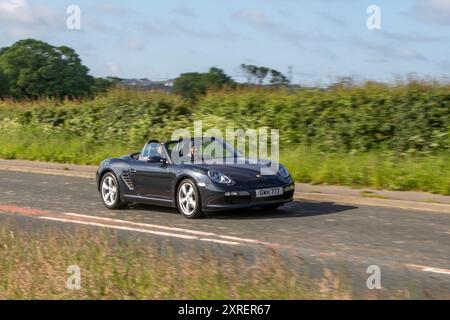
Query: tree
{"x": 249, "y": 71}
{"x": 103, "y": 84}
{"x": 3, "y": 85}
{"x": 260, "y": 74}
{"x": 34, "y": 69}
{"x": 189, "y": 85}
{"x": 3, "y": 81}
{"x": 217, "y": 79}
{"x": 194, "y": 84}
{"x": 277, "y": 78}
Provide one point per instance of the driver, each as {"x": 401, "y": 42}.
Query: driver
{"x": 194, "y": 152}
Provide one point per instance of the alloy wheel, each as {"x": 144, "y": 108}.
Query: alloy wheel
{"x": 187, "y": 199}
{"x": 109, "y": 191}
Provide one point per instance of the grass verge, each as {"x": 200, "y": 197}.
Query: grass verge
{"x": 374, "y": 169}
{"x": 34, "y": 264}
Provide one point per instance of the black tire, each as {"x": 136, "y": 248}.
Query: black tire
{"x": 114, "y": 203}
{"x": 185, "y": 206}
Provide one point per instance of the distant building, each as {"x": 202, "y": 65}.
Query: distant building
{"x": 147, "y": 84}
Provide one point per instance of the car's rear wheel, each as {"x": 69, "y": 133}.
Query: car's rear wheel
{"x": 110, "y": 192}
{"x": 188, "y": 200}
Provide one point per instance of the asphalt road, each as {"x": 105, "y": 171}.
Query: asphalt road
{"x": 412, "y": 248}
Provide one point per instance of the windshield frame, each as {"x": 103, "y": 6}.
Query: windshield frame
{"x": 226, "y": 147}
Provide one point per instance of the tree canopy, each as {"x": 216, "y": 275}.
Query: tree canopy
{"x": 260, "y": 74}
{"x": 31, "y": 69}
{"x": 194, "y": 84}
{"x": 3, "y": 85}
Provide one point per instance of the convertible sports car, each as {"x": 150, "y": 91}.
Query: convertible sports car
{"x": 195, "y": 185}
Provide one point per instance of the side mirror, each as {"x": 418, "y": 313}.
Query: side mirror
{"x": 163, "y": 162}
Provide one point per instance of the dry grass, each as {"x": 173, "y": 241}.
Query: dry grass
{"x": 33, "y": 265}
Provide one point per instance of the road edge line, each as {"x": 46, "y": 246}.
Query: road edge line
{"x": 386, "y": 203}
{"x": 54, "y": 172}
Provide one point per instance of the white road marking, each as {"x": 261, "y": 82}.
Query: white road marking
{"x": 220, "y": 241}
{"x": 122, "y": 225}
{"x": 167, "y": 234}
{"x": 241, "y": 239}
{"x": 139, "y": 224}
{"x": 436, "y": 270}
{"x": 120, "y": 228}
{"x": 429, "y": 269}
{"x": 199, "y": 233}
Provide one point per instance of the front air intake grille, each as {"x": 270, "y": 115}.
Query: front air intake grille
{"x": 127, "y": 180}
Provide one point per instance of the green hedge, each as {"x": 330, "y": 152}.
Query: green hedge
{"x": 119, "y": 118}
{"x": 408, "y": 118}
{"x": 376, "y": 136}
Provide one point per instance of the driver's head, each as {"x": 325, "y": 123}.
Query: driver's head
{"x": 194, "y": 151}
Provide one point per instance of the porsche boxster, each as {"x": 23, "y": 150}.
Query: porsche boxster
{"x": 193, "y": 183}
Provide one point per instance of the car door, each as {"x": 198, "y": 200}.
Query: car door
{"x": 152, "y": 180}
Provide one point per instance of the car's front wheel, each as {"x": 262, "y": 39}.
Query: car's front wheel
{"x": 188, "y": 200}
{"x": 110, "y": 192}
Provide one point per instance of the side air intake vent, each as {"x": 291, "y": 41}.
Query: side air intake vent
{"x": 127, "y": 180}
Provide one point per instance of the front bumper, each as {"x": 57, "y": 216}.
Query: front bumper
{"x": 219, "y": 198}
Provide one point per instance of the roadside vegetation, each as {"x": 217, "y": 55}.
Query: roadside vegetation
{"x": 372, "y": 135}
{"x": 34, "y": 265}
{"x": 375, "y": 169}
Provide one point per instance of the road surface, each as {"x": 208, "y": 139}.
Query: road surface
{"x": 412, "y": 248}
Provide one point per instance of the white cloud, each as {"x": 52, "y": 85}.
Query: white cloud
{"x": 11, "y": 6}
{"x": 411, "y": 37}
{"x": 21, "y": 19}
{"x": 15, "y": 11}
{"x": 259, "y": 19}
{"x": 111, "y": 8}
{"x": 432, "y": 11}
{"x": 253, "y": 17}
{"x": 383, "y": 52}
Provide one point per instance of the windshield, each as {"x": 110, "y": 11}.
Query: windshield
{"x": 200, "y": 150}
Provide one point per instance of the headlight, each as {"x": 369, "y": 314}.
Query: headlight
{"x": 219, "y": 177}
{"x": 282, "y": 171}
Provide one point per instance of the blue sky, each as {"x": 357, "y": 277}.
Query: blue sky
{"x": 322, "y": 39}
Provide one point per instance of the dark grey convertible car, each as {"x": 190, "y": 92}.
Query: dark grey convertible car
{"x": 176, "y": 174}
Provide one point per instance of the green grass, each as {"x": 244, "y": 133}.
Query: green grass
{"x": 33, "y": 265}
{"x": 374, "y": 169}
{"x": 346, "y": 130}
{"x": 36, "y": 144}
